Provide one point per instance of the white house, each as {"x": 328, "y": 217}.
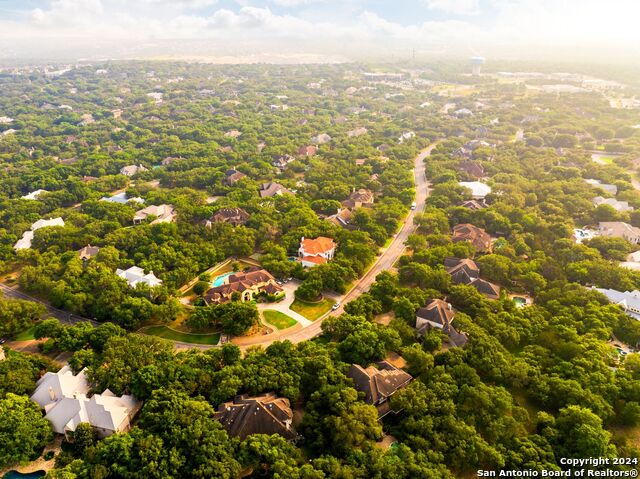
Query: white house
{"x": 121, "y": 198}
{"x": 163, "y": 214}
{"x": 316, "y": 251}
{"x": 135, "y": 275}
{"x": 63, "y": 396}
{"x": 27, "y": 236}
{"x": 611, "y": 189}
{"x": 628, "y": 300}
{"x": 478, "y": 189}
{"x": 615, "y": 204}
{"x": 131, "y": 170}
{"x": 321, "y": 139}
{"x": 33, "y": 195}
{"x": 619, "y": 229}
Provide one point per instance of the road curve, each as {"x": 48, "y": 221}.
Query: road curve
{"x": 63, "y": 316}
{"x": 384, "y": 262}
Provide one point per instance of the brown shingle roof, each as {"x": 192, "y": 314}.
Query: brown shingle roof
{"x": 235, "y": 216}
{"x": 378, "y": 384}
{"x": 477, "y": 236}
{"x": 463, "y": 271}
{"x": 266, "y": 414}
{"x": 490, "y": 290}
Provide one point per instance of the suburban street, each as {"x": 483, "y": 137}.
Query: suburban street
{"x": 305, "y": 329}
{"x": 63, "y": 316}
{"x": 385, "y": 262}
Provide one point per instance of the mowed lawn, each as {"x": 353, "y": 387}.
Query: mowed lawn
{"x": 311, "y": 311}
{"x": 26, "y": 335}
{"x": 278, "y": 319}
{"x": 173, "y": 335}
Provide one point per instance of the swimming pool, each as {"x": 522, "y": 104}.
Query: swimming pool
{"x": 219, "y": 281}
{"x": 520, "y": 301}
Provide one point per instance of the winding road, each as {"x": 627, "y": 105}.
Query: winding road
{"x": 384, "y": 262}
{"x": 63, "y": 316}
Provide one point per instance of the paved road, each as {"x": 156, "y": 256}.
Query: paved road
{"x": 385, "y": 262}
{"x": 63, "y": 316}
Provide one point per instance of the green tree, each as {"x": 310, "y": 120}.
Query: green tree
{"x": 23, "y": 430}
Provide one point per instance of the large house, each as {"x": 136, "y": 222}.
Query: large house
{"x": 309, "y": 150}
{"x": 121, "y": 198}
{"x": 439, "y": 314}
{"x": 620, "y": 206}
{"x": 27, "y": 236}
{"x": 270, "y": 189}
{"x": 341, "y": 218}
{"x": 162, "y": 214}
{"x": 266, "y": 414}
{"x": 478, "y": 189}
{"x": 232, "y": 176}
{"x": 359, "y": 199}
{"x": 233, "y": 216}
{"x": 316, "y": 251}
{"x": 88, "y": 252}
{"x": 131, "y": 170}
{"x": 466, "y": 271}
{"x": 63, "y": 396}
{"x": 136, "y": 275}
{"x": 627, "y": 300}
{"x": 609, "y": 188}
{"x": 472, "y": 169}
{"x": 34, "y": 195}
{"x": 619, "y": 229}
{"x": 281, "y": 162}
{"x": 478, "y": 237}
{"x": 321, "y": 139}
{"x": 474, "y": 205}
{"x": 379, "y": 384}
{"x": 248, "y": 285}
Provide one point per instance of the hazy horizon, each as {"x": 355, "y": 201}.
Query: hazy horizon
{"x": 324, "y": 30}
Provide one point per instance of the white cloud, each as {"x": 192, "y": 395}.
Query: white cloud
{"x": 194, "y": 4}
{"x": 456, "y": 7}
{"x": 511, "y": 22}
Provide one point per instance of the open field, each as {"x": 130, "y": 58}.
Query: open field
{"x": 312, "y": 311}
{"x": 278, "y": 319}
{"x": 173, "y": 335}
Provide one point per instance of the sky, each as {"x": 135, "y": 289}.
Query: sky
{"x": 338, "y": 27}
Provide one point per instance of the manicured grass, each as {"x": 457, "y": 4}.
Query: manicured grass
{"x": 278, "y": 319}
{"x": 26, "y": 335}
{"x": 311, "y": 311}
{"x": 173, "y": 335}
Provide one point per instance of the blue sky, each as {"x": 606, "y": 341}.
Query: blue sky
{"x": 468, "y": 25}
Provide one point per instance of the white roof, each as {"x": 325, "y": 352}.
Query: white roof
{"x": 131, "y": 170}
{"x": 615, "y": 204}
{"x": 45, "y": 223}
{"x": 627, "y": 299}
{"x": 33, "y": 195}
{"x": 53, "y": 387}
{"x": 135, "y": 275}
{"x": 164, "y": 213}
{"x": 611, "y": 189}
{"x": 121, "y": 198}
{"x": 478, "y": 189}
{"x": 63, "y": 397}
{"x": 27, "y": 236}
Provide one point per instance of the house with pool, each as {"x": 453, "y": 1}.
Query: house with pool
{"x": 249, "y": 285}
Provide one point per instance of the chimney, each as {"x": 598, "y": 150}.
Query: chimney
{"x": 52, "y": 394}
